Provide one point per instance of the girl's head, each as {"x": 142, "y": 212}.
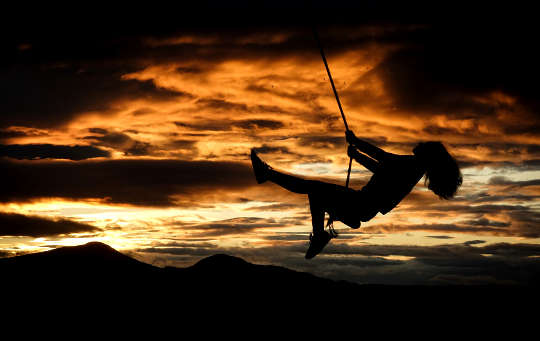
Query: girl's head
{"x": 443, "y": 176}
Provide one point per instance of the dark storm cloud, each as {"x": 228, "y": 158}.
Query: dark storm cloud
{"x": 486, "y": 222}
{"x": 49, "y": 96}
{"x": 193, "y": 69}
{"x": 14, "y": 132}
{"x": 221, "y": 105}
{"x": 520, "y": 128}
{"x": 228, "y": 125}
{"x": 437, "y": 130}
{"x": 183, "y": 144}
{"x": 322, "y": 141}
{"x": 533, "y": 164}
{"x": 8, "y": 134}
{"x": 447, "y": 69}
{"x": 12, "y": 224}
{"x": 50, "y": 151}
{"x": 237, "y": 225}
{"x": 296, "y": 95}
{"x": 119, "y": 141}
{"x": 205, "y": 125}
{"x": 500, "y": 198}
{"x": 474, "y": 242}
{"x": 503, "y": 181}
{"x": 519, "y": 156}
{"x": 512, "y": 250}
{"x": 258, "y": 124}
{"x": 139, "y": 149}
{"x": 136, "y": 182}
{"x": 527, "y": 222}
{"x": 100, "y": 131}
{"x": 266, "y": 149}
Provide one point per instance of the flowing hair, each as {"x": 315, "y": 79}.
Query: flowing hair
{"x": 443, "y": 176}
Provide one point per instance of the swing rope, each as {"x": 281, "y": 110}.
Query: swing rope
{"x": 330, "y": 222}
{"x": 335, "y": 94}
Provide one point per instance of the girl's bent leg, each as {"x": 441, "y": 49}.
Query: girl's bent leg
{"x": 317, "y": 213}
{"x": 320, "y": 238}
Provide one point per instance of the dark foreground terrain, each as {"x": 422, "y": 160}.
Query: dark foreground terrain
{"x": 97, "y": 275}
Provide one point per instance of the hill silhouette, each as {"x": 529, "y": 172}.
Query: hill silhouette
{"x": 97, "y": 267}
{"x": 96, "y": 259}
{"x": 100, "y": 273}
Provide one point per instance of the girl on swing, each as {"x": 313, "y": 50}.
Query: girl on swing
{"x": 394, "y": 176}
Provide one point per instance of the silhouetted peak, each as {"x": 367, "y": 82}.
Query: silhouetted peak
{"x": 93, "y": 247}
{"x": 89, "y": 258}
{"x": 221, "y": 260}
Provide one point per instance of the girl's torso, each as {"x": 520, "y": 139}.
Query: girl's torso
{"x": 396, "y": 177}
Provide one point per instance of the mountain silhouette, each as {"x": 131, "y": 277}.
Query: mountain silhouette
{"x": 99, "y": 273}
{"x": 96, "y": 267}
{"x": 93, "y": 256}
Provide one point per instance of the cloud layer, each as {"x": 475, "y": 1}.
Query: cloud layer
{"x": 136, "y": 182}
{"x": 12, "y": 224}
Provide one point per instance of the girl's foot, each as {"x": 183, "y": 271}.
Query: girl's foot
{"x": 260, "y": 168}
{"x": 317, "y": 242}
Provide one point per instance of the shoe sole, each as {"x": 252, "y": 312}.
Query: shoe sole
{"x": 315, "y": 252}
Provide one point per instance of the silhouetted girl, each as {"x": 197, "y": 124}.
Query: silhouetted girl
{"x": 394, "y": 176}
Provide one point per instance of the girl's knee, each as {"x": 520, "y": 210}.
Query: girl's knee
{"x": 315, "y": 200}
{"x": 367, "y": 215}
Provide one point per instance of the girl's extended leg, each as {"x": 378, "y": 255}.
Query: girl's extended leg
{"x": 293, "y": 183}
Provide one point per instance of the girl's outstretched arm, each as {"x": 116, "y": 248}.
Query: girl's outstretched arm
{"x": 365, "y": 147}
{"x": 362, "y": 159}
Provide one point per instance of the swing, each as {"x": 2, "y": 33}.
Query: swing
{"x": 330, "y": 223}
{"x": 394, "y": 176}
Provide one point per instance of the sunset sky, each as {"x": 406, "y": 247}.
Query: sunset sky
{"x": 134, "y": 129}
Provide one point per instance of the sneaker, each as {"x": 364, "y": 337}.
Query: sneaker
{"x": 317, "y": 242}
{"x": 260, "y": 168}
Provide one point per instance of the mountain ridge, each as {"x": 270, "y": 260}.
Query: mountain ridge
{"x": 98, "y": 272}
{"x": 89, "y": 263}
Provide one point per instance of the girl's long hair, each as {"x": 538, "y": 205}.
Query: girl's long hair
{"x": 443, "y": 176}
